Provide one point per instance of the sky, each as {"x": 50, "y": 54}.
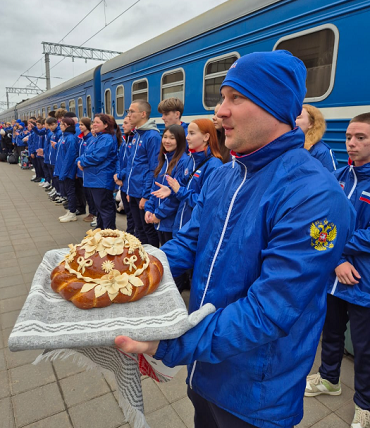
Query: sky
{"x": 26, "y": 24}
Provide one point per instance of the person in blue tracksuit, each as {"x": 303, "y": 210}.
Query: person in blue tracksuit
{"x": 123, "y": 156}
{"x": 204, "y": 157}
{"x": 68, "y": 151}
{"x": 349, "y": 284}
{"x": 54, "y": 139}
{"x": 82, "y": 193}
{"x": 312, "y": 123}
{"x": 255, "y": 258}
{"x": 172, "y": 159}
{"x": 171, "y": 110}
{"x": 99, "y": 166}
{"x": 140, "y": 168}
{"x": 19, "y": 135}
{"x": 39, "y": 139}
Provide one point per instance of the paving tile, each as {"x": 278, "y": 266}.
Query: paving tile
{"x": 10, "y": 276}
{"x": 6, "y": 249}
{"x": 29, "y": 268}
{"x": 111, "y": 380}
{"x": 61, "y": 420}
{"x": 16, "y": 359}
{"x": 13, "y": 291}
{"x": 29, "y": 376}
{"x": 184, "y": 408}
{"x": 28, "y": 278}
{"x": 83, "y": 387}
{"x": 347, "y": 412}
{"x": 8, "y": 256}
{"x": 5, "y": 262}
{"x": 176, "y": 388}
{"x": 314, "y": 411}
{"x": 164, "y": 418}
{"x": 9, "y": 305}
{"x": 27, "y": 252}
{"x": 2, "y": 341}
{"x": 97, "y": 413}
{"x": 2, "y": 360}
{"x": 331, "y": 421}
{"x": 6, "y": 413}
{"x": 8, "y": 319}
{"x": 4, "y": 384}
{"x": 36, "y": 259}
{"x": 67, "y": 367}
{"x": 39, "y": 403}
{"x": 334, "y": 402}
{"x": 152, "y": 395}
{"x": 347, "y": 374}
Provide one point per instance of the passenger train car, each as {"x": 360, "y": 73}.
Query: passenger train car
{"x": 191, "y": 60}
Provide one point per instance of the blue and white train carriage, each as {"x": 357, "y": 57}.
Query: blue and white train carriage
{"x": 190, "y": 61}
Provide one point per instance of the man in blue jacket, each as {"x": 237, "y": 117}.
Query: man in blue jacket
{"x": 349, "y": 284}
{"x": 255, "y": 257}
{"x": 138, "y": 179}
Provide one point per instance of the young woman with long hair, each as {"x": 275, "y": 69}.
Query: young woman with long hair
{"x": 171, "y": 161}
{"x": 312, "y": 123}
{"x": 204, "y": 158}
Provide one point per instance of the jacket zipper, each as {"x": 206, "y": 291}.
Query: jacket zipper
{"x": 349, "y": 197}
{"x": 164, "y": 176}
{"x": 187, "y": 187}
{"x": 216, "y": 253}
{"x": 132, "y": 163}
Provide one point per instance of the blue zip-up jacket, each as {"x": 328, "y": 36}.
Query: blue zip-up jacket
{"x": 249, "y": 241}
{"x": 166, "y": 210}
{"x": 55, "y": 137}
{"x": 68, "y": 152}
{"x": 19, "y": 139}
{"x": 143, "y": 160}
{"x": 190, "y": 187}
{"x": 123, "y": 156}
{"x": 323, "y": 153}
{"x": 47, "y": 146}
{"x": 83, "y": 142}
{"x": 355, "y": 181}
{"x": 31, "y": 143}
{"x": 99, "y": 162}
{"x": 39, "y": 139}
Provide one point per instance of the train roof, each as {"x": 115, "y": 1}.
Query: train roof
{"x": 220, "y": 15}
{"x": 78, "y": 80}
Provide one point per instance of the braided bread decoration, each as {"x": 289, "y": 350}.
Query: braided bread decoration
{"x": 108, "y": 266}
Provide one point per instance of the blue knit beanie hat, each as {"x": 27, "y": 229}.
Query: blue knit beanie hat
{"x": 275, "y": 81}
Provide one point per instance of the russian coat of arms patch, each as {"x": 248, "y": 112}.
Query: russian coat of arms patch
{"x": 322, "y": 235}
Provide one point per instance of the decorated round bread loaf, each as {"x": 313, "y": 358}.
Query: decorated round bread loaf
{"x": 108, "y": 266}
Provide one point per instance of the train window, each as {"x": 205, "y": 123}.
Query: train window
{"x": 39, "y": 114}
{"x": 63, "y": 105}
{"x": 214, "y": 72}
{"x": 55, "y": 106}
{"x": 120, "y": 100}
{"x": 317, "y": 48}
{"x": 173, "y": 84}
{"x": 72, "y": 106}
{"x": 108, "y": 101}
{"x": 140, "y": 90}
{"x": 43, "y": 113}
{"x": 80, "y": 107}
{"x": 88, "y": 106}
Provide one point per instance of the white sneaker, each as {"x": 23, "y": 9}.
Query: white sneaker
{"x": 316, "y": 385}
{"x": 361, "y": 418}
{"x": 94, "y": 223}
{"x": 52, "y": 192}
{"x": 33, "y": 170}
{"x": 41, "y": 183}
{"x": 46, "y": 184}
{"x": 65, "y": 215}
{"x": 34, "y": 175}
{"x": 69, "y": 217}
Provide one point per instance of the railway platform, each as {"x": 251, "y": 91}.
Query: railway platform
{"x": 60, "y": 394}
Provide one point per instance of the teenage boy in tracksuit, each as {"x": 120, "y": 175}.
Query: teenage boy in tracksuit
{"x": 144, "y": 150}
{"x": 349, "y": 285}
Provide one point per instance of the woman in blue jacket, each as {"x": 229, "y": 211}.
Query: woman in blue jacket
{"x": 172, "y": 158}
{"x": 99, "y": 166}
{"x": 82, "y": 193}
{"x": 68, "y": 151}
{"x": 312, "y": 123}
{"x": 204, "y": 158}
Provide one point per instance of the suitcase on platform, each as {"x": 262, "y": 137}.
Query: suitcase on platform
{"x": 13, "y": 158}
